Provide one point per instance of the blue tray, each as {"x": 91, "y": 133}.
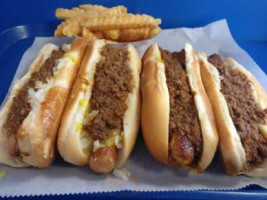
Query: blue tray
{"x": 15, "y": 41}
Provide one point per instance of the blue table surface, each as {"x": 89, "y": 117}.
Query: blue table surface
{"x": 247, "y": 20}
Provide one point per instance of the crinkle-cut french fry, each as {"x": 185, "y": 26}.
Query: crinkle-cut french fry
{"x": 63, "y": 14}
{"x": 98, "y": 34}
{"x": 59, "y": 30}
{"x": 86, "y": 33}
{"x": 73, "y": 25}
{"x": 115, "y": 10}
{"x": 129, "y": 35}
{"x": 154, "y": 32}
{"x": 111, "y": 42}
{"x": 91, "y": 7}
{"x": 157, "y": 21}
{"x": 112, "y": 34}
{"x": 98, "y": 22}
{"x": 104, "y": 13}
{"x": 120, "y": 21}
{"x": 89, "y": 35}
{"x": 71, "y": 28}
{"x": 134, "y": 34}
{"x": 98, "y": 8}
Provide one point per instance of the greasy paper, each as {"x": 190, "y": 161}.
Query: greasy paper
{"x": 146, "y": 174}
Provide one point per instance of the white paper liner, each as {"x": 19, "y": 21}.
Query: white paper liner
{"x": 146, "y": 174}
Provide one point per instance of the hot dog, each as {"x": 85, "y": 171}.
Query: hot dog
{"x": 101, "y": 120}
{"x": 31, "y": 115}
{"x": 240, "y": 106}
{"x": 177, "y": 119}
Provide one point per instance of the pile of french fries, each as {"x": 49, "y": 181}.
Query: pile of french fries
{"x": 98, "y": 22}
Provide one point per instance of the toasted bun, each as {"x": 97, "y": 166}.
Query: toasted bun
{"x": 204, "y": 109}
{"x": 261, "y": 98}
{"x": 37, "y": 134}
{"x": 156, "y": 106}
{"x": 131, "y": 118}
{"x": 70, "y": 144}
{"x": 233, "y": 153}
{"x": 5, "y": 156}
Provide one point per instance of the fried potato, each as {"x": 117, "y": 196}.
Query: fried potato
{"x": 71, "y": 29}
{"x": 90, "y": 36}
{"x": 121, "y": 21}
{"x": 64, "y": 14}
{"x": 59, "y": 30}
{"x": 129, "y": 35}
{"x": 86, "y": 33}
{"x": 98, "y": 22}
{"x": 112, "y": 34}
{"x": 99, "y": 35}
{"x": 91, "y": 7}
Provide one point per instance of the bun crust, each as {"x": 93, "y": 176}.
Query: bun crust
{"x": 156, "y": 107}
{"x": 131, "y": 119}
{"x": 69, "y": 141}
{"x": 37, "y": 143}
{"x": 37, "y": 134}
{"x": 5, "y": 156}
{"x": 232, "y": 151}
{"x": 70, "y": 144}
{"x": 204, "y": 108}
{"x": 261, "y": 98}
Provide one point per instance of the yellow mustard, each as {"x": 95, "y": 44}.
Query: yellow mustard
{"x": 71, "y": 57}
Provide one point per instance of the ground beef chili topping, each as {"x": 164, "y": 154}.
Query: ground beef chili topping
{"x": 21, "y": 107}
{"x": 245, "y": 112}
{"x": 184, "y": 123}
{"x": 112, "y": 85}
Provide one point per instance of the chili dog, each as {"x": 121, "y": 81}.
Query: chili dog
{"x": 240, "y": 106}
{"x": 31, "y": 115}
{"x": 101, "y": 120}
{"x": 177, "y": 119}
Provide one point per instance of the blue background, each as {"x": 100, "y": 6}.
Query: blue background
{"x": 247, "y": 20}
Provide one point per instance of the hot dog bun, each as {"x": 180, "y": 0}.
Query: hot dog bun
{"x": 155, "y": 102}
{"x": 40, "y": 58}
{"x": 37, "y": 134}
{"x": 77, "y": 150}
{"x": 70, "y": 145}
{"x": 231, "y": 148}
{"x": 156, "y": 107}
